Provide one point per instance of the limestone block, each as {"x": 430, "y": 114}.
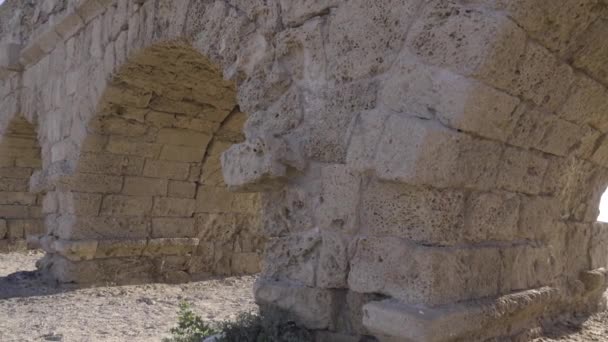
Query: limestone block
{"x": 3, "y": 229}
{"x": 537, "y": 218}
{"x": 330, "y": 113}
{"x": 117, "y": 145}
{"x": 9, "y": 56}
{"x": 336, "y": 206}
{"x": 172, "y": 246}
{"x": 491, "y": 217}
{"x": 220, "y": 228}
{"x": 173, "y": 207}
{"x": 73, "y": 250}
{"x": 246, "y": 263}
{"x": 141, "y": 186}
{"x": 420, "y": 214}
{"x": 289, "y": 210}
{"x": 183, "y": 153}
{"x": 104, "y": 227}
{"x": 545, "y": 132}
{"x": 542, "y": 78}
{"x": 214, "y": 200}
{"x": 467, "y": 321}
{"x": 563, "y": 22}
{"x": 78, "y": 203}
{"x": 521, "y": 171}
{"x": 182, "y": 137}
{"x": 526, "y": 267}
{"x": 468, "y": 41}
{"x": 431, "y": 92}
{"x": 578, "y": 237}
{"x": 173, "y": 227}
{"x": 92, "y": 183}
{"x": 313, "y": 307}
{"x": 586, "y": 104}
{"x": 181, "y": 189}
{"x": 399, "y": 269}
{"x": 166, "y": 169}
{"x": 366, "y": 133}
{"x": 597, "y": 249}
{"x": 294, "y": 258}
{"x": 119, "y": 248}
{"x": 110, "y": 164}
{"x": 592, "y": 51}
{"x": 120, "y": 205}
{"x": 280, "y": 117}
{"x": 18, "y": 198}
{"x": 360, "y": 43}
{"x": 14, "y": 211}
{"x": 259, "y": 164}
{"x": 68, "y": 24}
{"x": 423, "y": 152}
{"x": 294, "y": 13}
{"x": 332, "y": 269}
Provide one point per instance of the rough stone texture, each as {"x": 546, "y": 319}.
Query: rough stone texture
{"x": 394, "y": 157}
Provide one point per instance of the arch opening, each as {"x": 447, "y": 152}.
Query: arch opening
{"x": 147, "y": 201}
{"x": 20, "y": 209}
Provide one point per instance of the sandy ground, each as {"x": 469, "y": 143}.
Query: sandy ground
{"x": 33, "y": 311}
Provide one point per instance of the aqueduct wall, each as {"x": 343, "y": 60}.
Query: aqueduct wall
{"x": 416, "y": 170}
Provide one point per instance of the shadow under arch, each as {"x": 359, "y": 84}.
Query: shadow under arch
{"x": 20, "y": 209}
{"x": 147, "y": 201}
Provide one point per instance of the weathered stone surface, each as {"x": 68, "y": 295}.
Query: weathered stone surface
{"x": 423, "y": 153}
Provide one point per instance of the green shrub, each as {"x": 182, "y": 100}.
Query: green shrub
{"x": 270, "y": 326}
{"x": 190, "y": 327}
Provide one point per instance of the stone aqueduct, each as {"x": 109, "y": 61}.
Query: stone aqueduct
{"x": 425, "y": 170}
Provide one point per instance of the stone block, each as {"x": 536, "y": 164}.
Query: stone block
{"x": 336, "y": 206}
{"x": 17, "y": 198}
{"x": 246, "y": 263}
{"x": 468, "y": 41}
{"x": 141, "y": 186}
{"x": 9, "y": 56}
{"x": 119, "y": 248}
{"x": 592, "y": 51}
{"x": 586, "y": 104}
{"x": 420, "y": 214}
{"x": 185, "y": 154}
{"x": 173, "y": 207}
{"x": 211, "y": 199}
{"x": 491, "y": 217}
{"x": 110, "y": 164}
{"x": 332, "y": 269}
{"x": 119, "y": 205}
{"x": 295, "y": 258}
{"x": 173, "y": 228}
{"x": 467, "y": 321}
{"x": 104, "y": 227}
{"x": 423, "y": 152}
{"x": 400, "y": 269}
{"x": 92, "y": 183}
{"x": 522, "y": 171}
{"x": 14, "y": 211}
{"x": 183, "y": 137}
{"x": 597, "y": 249}
{"x": 123, "y": 146}
{"x": 166, "y": 169}
{"x": 182, "y": 189}
{"x": 311, "y": 306}
{"x": 430, "y": 92}
{"x": 170, "y": 246}
{"x": 360, "y": 43}
{"x": 3, "y": 229}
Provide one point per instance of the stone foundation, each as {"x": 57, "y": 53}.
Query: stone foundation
{"x": 414, "y": 170}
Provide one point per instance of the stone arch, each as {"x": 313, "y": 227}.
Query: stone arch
{"x": 147, "y": 189}
{"x": 20, "y": 209}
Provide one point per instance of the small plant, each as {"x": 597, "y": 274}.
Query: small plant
{"x": 190, "y": 327}
{"x": 270, "y": 326}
